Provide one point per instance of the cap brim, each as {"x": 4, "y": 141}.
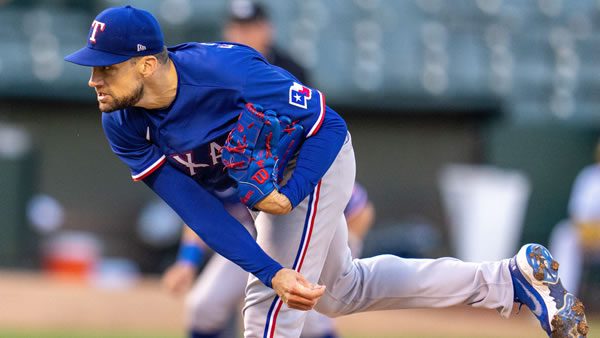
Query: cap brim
{"x": 90, "y": 57}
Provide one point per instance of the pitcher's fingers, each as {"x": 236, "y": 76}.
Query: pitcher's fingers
{"x": 304, "y": 282}
{"x": 299, "y": 307}
{"x": 309, "y": 292}
{"x": 300, "y": 303}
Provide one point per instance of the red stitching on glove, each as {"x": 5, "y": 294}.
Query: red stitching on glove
{"x": 268, "y": 144}
{"x": 240, "y": 148}
{"x": 233, "y": 165}
{"x": 253, "y": 110}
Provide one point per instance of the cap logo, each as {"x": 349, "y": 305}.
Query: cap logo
{"x": 95, "y": 26}
{"x": 141, "y": 48}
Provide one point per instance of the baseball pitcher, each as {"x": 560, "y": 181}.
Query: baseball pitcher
{"x": 197, "y": 119}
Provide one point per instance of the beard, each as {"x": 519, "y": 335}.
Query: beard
{"x": 124, "y": 102}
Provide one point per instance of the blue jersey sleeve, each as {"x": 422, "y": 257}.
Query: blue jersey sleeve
{"x": 204, "y": 214}
{"x": 128, "y": 139}
{"x": 325, "y": 130}
{"x": 276, "y": 89}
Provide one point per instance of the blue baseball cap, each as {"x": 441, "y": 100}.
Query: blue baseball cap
{"x": 118, "y": 34}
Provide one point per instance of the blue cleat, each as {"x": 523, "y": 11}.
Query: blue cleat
{"x": 536, "y": 284}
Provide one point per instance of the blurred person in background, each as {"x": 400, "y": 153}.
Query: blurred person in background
{"x": 579, "y": 235}
{"x": 248, "y": 23}
{"x": 219, "y": 290}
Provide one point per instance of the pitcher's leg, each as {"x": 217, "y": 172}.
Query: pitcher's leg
{"x": 389, "y": 282}
{"x": 299, "y": 240}
{"x": 302, "y": 248}
{"x": 293, "y": 245}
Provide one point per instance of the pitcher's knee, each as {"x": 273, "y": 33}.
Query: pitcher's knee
{"x": 330, "y": 307}
{"x": 349, "y": 286}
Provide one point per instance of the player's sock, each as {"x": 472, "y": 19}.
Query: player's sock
{"x": 197, "y": 334}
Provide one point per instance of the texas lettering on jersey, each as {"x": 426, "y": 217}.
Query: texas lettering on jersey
{"x": 203, "y": 164}
{"x": 190, "y": 161}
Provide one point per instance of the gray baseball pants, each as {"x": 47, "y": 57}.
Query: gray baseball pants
{"x": 313, "y": 239}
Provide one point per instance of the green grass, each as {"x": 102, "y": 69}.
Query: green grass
{"x": 4, "y": 333}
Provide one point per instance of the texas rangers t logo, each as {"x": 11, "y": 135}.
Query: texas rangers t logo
{"x": 299, "y": 95}
{"x": 95, "y": 26}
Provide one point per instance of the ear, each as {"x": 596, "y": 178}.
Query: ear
{"x": 147, "y": 65}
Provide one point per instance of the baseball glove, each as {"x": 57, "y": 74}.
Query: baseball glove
{"x": 288, "y": 144}
{"x": 254, "y": 148}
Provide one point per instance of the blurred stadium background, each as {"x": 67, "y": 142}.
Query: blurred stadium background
{"x": 423, "y": 84}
